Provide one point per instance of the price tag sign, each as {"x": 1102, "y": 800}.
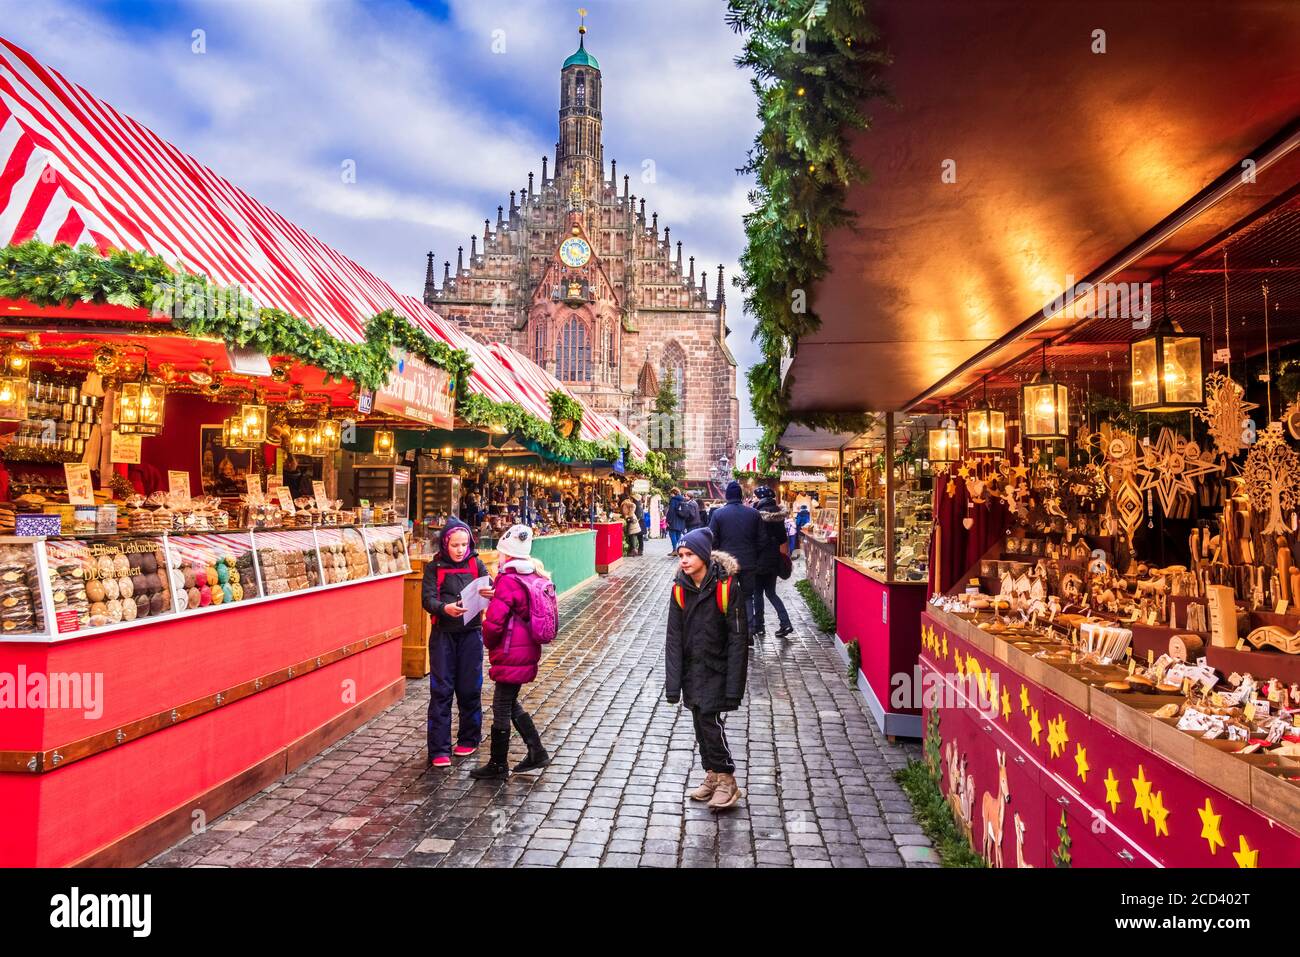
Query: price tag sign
{"x": 318, "y": 489}
{"x": 1249, "y": 712}
{"x": 178, "y": 483}
{"x": 124, "y": 449}
{"x": 1222, "y": 355}
{"x": 254, "y": 483}
{"x": 81, "y": 491}
{"x": 285, "y": 499}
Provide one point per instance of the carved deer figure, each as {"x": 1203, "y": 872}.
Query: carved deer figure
{"x": 967, "y": 799}
{"x": 1019, "y": 825}
{"x": 994, "y": 810}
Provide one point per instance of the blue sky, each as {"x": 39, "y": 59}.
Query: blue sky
{"x": 440, "y": 127}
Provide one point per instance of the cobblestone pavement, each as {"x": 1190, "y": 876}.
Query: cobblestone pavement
{"x": 817, "y": 771}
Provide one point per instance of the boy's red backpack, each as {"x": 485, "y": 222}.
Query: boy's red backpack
{"x": 543, "y": 621}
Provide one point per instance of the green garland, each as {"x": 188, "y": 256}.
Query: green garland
{"x": 564, "y": 408}
{"x": 51, "y": 275}
{"x": 815, "y": 63}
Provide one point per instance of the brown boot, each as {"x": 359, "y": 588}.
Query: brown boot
{"x": 726, "y": 794}
{"x": 705, "y": 790}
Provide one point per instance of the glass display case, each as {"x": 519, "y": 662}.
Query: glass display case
{"x": 387, "y": 545}
{"x": 211, "y": 570}
{"x": 287, "y": 561}
{"x": 913, "y": 518}
{"x": 343, "y": 554}
{"x": 98, "y": 582}
{"x": 58, "y": 588}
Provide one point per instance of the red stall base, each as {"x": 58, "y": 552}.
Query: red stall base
{"x": 884, "y": 618}
{"x": 1036, "y": 781}
{"x": 609, "y": 545}
{"x": 195, "y": 715}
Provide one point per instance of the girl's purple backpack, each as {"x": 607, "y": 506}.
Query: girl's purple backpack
{"x": 543, "y": 621}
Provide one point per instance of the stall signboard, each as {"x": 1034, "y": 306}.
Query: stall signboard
{"x": 178, "y": 483}
{"x": 254, "y": 483}
{"x": 81, "y": 491}
{"x": 124, "y": 449}
{"x": 641, "y": 486}
{"x": 803, "y": 478}
{"x": 418, "y": 391}
{"x": 322, "y": 502}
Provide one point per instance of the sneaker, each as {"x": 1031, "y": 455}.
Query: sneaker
{"x": 441, "y": 761}
{"x": 785, "y": 630}
{"x": 463, "y": 750}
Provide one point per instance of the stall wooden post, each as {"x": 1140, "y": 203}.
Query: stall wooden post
{"x": 415, "y": 645}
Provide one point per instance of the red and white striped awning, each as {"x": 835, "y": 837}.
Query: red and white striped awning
{"x": 75, "y": 170}
{"x": 535, "y": 381}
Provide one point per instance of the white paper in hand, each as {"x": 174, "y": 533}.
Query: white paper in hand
{"x": 472, "y": 601}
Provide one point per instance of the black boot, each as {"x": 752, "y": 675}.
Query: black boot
{"x": 537, "y": 756}
{"x": 496, "y": 766}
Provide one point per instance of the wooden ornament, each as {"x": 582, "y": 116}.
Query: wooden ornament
{"x": 1284, "y": 566}
{"x": 1169, "y": 466}
{"x": 1225, "y": 410}
{"x": 1223, "y": 616}
{"x": 1186, "y": 648}
{"x": 1272, "y": 477}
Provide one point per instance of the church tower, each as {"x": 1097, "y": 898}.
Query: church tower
{"x": 579, "y": 154}
{"x": 578, "y": 276}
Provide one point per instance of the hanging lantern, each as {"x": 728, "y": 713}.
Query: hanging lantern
{"x": 1167, "y": 369}
{"x": 986, "y": 427}
{"x": 13, "y": 398}
{"x": 299, "y": 440}
{"x": 254, "y": 420}
{"x": 1045, "y": 407}
{"x": 328, "y": 431}
{"x": 15, "y": 364}
{"x": 232, "y": 433}
{"x": 944, "y": 444}
{"x": 384, "y": 442}
{"x": 140, "y": 405}
{"x": 315, "y": 442}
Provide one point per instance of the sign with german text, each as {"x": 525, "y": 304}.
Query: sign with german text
{"x": 418, "y": 391}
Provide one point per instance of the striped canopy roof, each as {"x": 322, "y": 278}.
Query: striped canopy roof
{"x": 73, "y": 169}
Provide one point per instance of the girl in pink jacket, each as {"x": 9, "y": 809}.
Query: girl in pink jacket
{"x": 516, "y": 624}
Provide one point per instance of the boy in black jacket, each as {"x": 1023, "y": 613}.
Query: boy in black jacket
{"x": 707, "y": 658}
{"x": 455, "y": 645}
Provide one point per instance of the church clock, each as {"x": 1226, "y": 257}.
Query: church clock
{"x": 575, "y": 252}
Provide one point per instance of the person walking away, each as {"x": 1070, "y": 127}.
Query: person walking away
{"x": 692, "y": 517}
{"x": 707, "y": 658}
{"x": 676, "y": 520}
{"x": 521, "y": 618}
{"x": 800, "y": 520}
{"x": 736, "y": 529}
{"x": 631, "y": 524}
{"x": 773, "y": 551}
{"x": 455, "y": 645}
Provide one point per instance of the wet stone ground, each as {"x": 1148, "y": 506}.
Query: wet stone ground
{"x": 817, "y": 771}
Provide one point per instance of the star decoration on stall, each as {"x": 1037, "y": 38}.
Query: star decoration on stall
{"x": 1159, "y": 814}
{"x": 944, "y": 655}
{"x": 1169, "y": 466}
{"x": 1112, "y": 790}
{"x": 1035, "y": 726}
{"x": 1225, "y": 411}
{"x": 1210, "y": 826}
{"x": 1056, "y": 736}
{"x": 1006, "y": 704}
{"x": 1245, "y": 857}
{"x": 963, "y": 470}
{"x": 1024, "y": 700}
{"x": 1142, "y": 795}
{"x": 960, "y": 665}
{"x": 1081, "y": 766}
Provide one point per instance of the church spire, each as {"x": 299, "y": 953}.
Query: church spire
{"x": 580, "y": 150}
{"x": 721, "y": 297}
{"x": 430, "y": 285}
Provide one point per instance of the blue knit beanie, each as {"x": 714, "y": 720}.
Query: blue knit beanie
{"x": 734, "y": 493}
{"x": 699, "y": 541}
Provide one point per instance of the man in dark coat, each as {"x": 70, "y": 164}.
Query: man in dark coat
{"x": 455, "y": 646}
{"x": 773, "y": 547}
{"x": 736, "y": 529}
{"x": 676, "y": 521}
{"x": 707, "y": 657}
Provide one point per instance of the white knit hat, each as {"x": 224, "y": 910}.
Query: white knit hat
{"x": 517, "y": 542}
